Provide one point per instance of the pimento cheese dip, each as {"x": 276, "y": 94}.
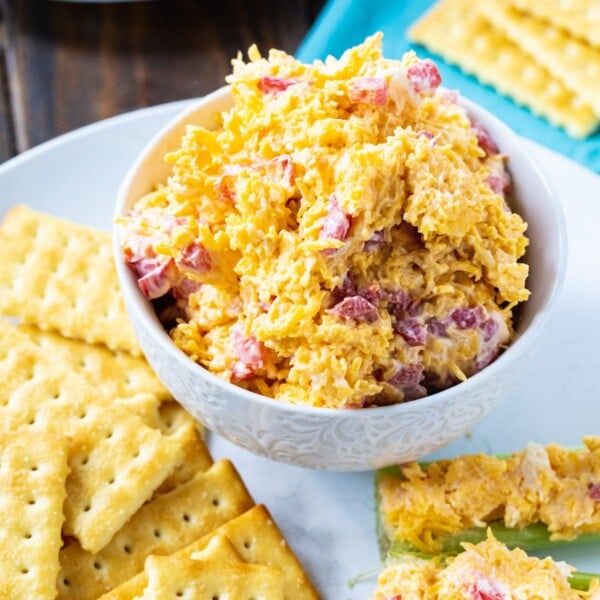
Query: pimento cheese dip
{"x": 343, "y": 239}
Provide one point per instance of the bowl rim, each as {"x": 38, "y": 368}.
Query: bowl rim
{"x": 135, "y": 300}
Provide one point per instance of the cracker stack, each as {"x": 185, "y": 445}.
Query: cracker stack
{"x": 544, "y": 55}
{"x": 106, "y": 485}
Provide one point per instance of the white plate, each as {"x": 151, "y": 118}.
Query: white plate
{"x": 328, "y": 517}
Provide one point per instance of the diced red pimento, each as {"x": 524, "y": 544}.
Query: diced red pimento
{"x": 369, "y": 90}
{"x": 280, "y": 168}
{"x": 250, "y": 352}
{"x": 484, "y": 588}
{"x": 356, "y": 308}
{"x": 424, "y": 76}
{"x": 337, "y": 223}
{"x": 407, "y": 375}
{"x": 226, "y": 188}
{"x": 158, "y": 280}
{"x": 401, "y": 304}
{"x": 184, "y": 288}
{"x": 489, "y": 329}
{"x": 195, "y": 258}
{"x": 373, "y": 293}
{"x": 594, "y": 492}
{"x": 412, "y": 332}
{"x": 436, "y": 327}
{"x": 347, "y": 288}
{"x": 484, "y": 139}
{"x": 499, "y": 181}
{"x": 468, "y": 317}
{"x": 275, "y": 85}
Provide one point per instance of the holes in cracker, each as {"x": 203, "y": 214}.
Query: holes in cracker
{"x": 179, "y": 593}
{"x": 111, "y": 481}
{"x": 24, "y": 570}
{"x": 97, "y": 565}
{"x": 31, "y": 501}
{"x": 216, "y": 501}
{"x": 157, "y": 533}
{"x": 127, "y": 549}
{"x": 186, "y": 517}
{"x": 87, "y": 507}
{"x": 109, "y": 434}
{"x": 84, "y": 460}
{"x": 28, "y": 535}
{"x": 247, "y": 544}
{"x": 66, "y": 582}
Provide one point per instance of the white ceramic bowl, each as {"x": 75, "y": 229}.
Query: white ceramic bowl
{"x": 338, "y": 439}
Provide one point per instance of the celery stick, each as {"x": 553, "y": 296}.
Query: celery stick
{"x": 531, "y": 537}
{"x": 582, "y": 581}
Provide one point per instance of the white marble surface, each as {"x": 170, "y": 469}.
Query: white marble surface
{"x": 328, "y": 517}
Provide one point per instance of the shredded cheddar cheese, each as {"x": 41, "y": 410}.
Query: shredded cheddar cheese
{"x": 343, "y": 239}
{"x": 550, "y": 485}
{"x": 485, "y": 571}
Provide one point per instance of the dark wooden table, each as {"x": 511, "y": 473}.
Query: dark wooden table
{"x": 65, "y": 64}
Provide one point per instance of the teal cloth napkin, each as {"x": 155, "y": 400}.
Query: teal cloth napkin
{"x": 345, "y": 23}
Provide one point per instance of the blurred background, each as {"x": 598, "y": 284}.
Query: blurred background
{"x": 67, "y": 64}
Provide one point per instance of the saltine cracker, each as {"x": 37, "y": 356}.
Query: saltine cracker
{"x": 207, "y": 580}
{"x": 61, "y": 276}
{"x": 114, "y": 374}
{"x": 258, "y": 540}
{"x": 116, "y": 461}
{"x": 166, "y": 524}
{"x": 197, "y": 458}
{"x": 219, "y": 548}
{"x": 460, "y": 35}
{"x": 581, "y": 18}
{"x": 569, "y": 60}
{"x": 33, "y": 471}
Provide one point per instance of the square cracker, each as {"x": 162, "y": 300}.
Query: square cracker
{"x": 257, "y": 540}
{"x": 207, "y": 580}
{"x": 114, "y": 373}
{"x": 61, "y": 276}
{"x": 581, "y": 18}
{"x": 168, "y": 416}
{"x": 116, "y": 461}
{"x": 219, "y": 548}
{"x": 460, "y": 35}
{"x": 162, "y": 526}
{"x": 33, "y": 470}
{"x": 197, "y": 458}
{"x": 172, "y": 416}
{"x": 567, "y": 59}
